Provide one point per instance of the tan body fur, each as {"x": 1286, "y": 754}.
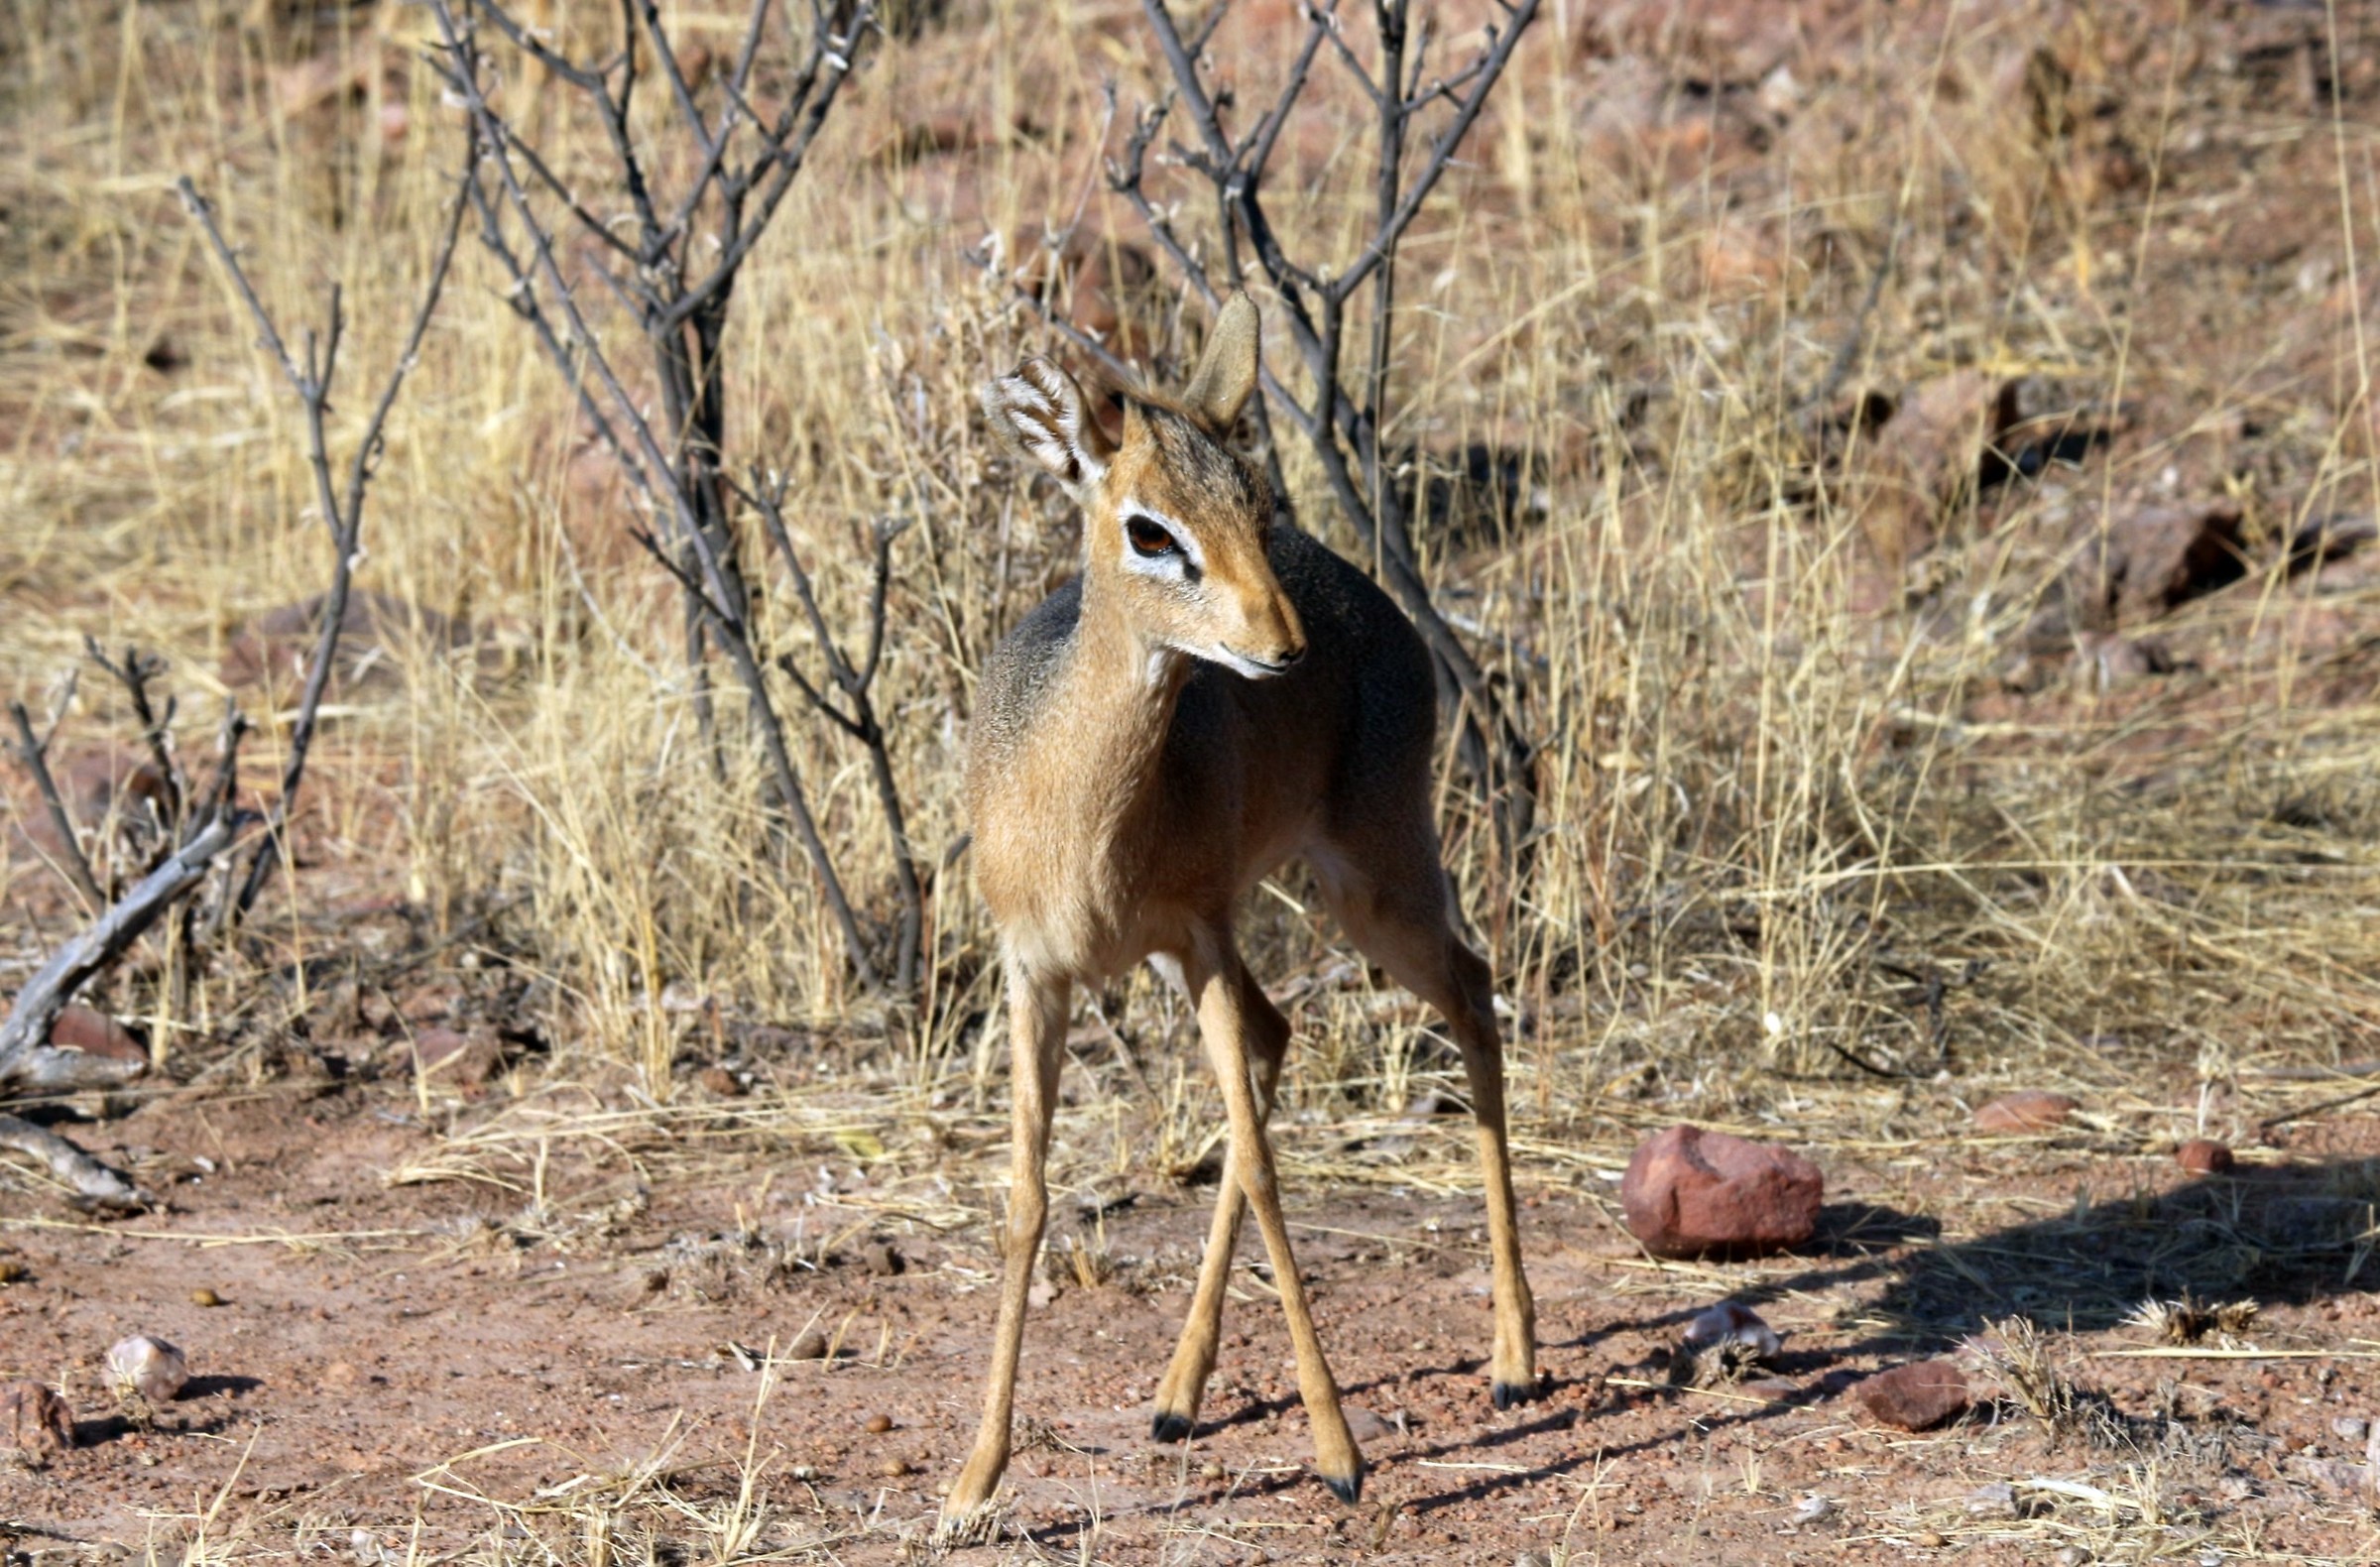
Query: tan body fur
{"x": 1216, "y": 695}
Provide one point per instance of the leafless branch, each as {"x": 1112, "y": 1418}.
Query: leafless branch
{"x": 33, "y": 754}
{"x": 737, "y": 644}
{"x": 94, "y": 1184}
{"x": 134, "y": 674}
{"x": 342, "y": 513}
{"x": 46, "y": 995}
{"x": 856, "y": 682}
{"x": 745, "y": 160}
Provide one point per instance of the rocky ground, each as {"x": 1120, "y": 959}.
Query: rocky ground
{"x": 446, "y": 1368}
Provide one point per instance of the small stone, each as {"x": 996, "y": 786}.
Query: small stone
{"x": 203, "y": 1296}
{"x": 1813, "y": 1508}
{"x": 893, "y": 1468}
{"x": 1929, "y": 1541}
{"x": 1996, "y": 1499}
{"x": 881, "y": 1258}
{"x": 720, "y": 1083}
{"x": 805, "y": 1471}
{"x": 146, "y": 1368}
{"x": 808, "y": 1345}
{"x": 1915, "y": 1397}
{"x": 1688, "y": 1192}
{"x": 342, "y": 1373}
{"x": 1211, "y": 1470}
{"x": 878, "y": 1424}
{"x": 2203, "y": 1157}
{"x": 2029, "y": 1110}
{"x": 466, "y": 1060}
{"x": 2074, "y": 1556}
{"x": 1770, "y": 1389}
{"x": 1365, "y": 1426}
{"x": 94, "y": 1033}
{"x": 2349, "y": 1428}
{"x": 13, "y": 1273}
{"x": 1529, "y": 1559}
{"x": 1730, "y": 1322}
{"x": 2335, "y": 1475}
{"x": 35, "y": 1422}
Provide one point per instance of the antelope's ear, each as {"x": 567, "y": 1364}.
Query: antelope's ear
{"x": 1227, "y": 372}
{"x": 1042, "y": 414}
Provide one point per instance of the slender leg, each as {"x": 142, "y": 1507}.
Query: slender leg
{"x": 1267, "y": 1034}
{"x": 1515, "y": 1357}
{"x": 1403, "y": 925}
{"x": 1221, "y": 988}
{"x": 1037, "y": 1038}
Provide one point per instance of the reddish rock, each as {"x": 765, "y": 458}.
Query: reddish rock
{"x": 97, "y": 784}
{"x": 1688, "y": 1192}
{"x": 2149, "y": 562}
{"x": 465, "y": 1059}
{"x": 1928, "y": 458}
{"x": 1915, "y": 1397}
{"x": 2029, "y": 1110}
{"x": 2203, "y": 1157}
{"x": 34, "y": 1421}
{"x": 380, "y": 639}
{"x": 94, "y": 1033}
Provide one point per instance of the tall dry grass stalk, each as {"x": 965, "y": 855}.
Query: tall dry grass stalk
{"x": 1771, "y": 784}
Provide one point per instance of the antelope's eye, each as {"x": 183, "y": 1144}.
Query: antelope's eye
{"x": 1148, "y": 539}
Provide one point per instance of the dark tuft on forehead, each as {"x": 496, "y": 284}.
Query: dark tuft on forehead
{"x": 1198, "y": 460}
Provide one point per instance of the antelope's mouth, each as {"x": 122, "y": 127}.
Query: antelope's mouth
{"x": 1255, "y": 668}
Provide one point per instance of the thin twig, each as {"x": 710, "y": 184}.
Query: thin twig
{"x": 342, "y": 515}
{"x": 33, "y": 752}
{"x": 134, "y": 674}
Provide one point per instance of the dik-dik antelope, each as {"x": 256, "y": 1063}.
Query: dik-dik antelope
{"x": 1217, "y": 693}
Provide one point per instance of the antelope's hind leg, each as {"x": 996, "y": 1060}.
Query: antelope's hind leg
{"x": 1405, "y": 926}
{"x": 1267, "y": 1035}
{"x": 1228, "y": 1017}
{"x": 1037, "y": 1040}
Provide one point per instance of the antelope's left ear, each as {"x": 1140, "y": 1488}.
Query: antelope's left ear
{"x": 1041, "y": 412}
{"x": 1226, "y": 371}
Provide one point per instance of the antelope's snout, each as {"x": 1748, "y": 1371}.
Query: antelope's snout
{"x": 1269, "y": 639}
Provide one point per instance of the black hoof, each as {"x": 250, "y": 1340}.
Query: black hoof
{"x": 1170, "y": 1428}
{"x": 1349, "y": 1490}
{"x": 1509, "y": 1393}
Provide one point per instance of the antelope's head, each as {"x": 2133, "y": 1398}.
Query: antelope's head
{"x": 1174, "y": 524}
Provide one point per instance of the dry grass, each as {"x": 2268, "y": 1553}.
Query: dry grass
{"x": 1777, "y": 781}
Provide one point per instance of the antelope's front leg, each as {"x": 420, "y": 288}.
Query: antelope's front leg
{"x": 1185, "y": 1384}
{"x": 1225, "y": 1013}
{"x": 1037, "y": 1042}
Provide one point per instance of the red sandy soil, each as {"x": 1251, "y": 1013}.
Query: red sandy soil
{"x": 383, "y": 1357}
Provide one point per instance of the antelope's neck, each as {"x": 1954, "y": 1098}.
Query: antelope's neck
{"x": 1118, "y": 701}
